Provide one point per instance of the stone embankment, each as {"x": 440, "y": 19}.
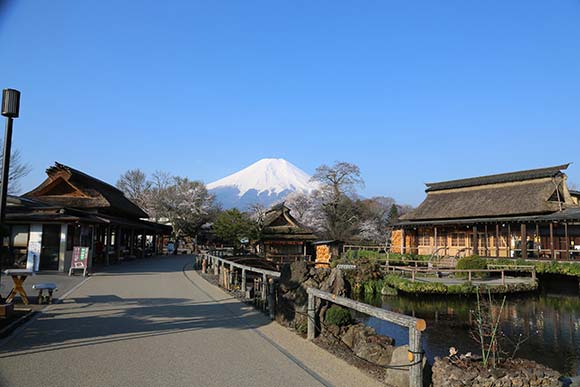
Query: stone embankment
{"x": 511, "y": 373}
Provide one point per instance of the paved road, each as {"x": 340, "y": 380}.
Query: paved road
{"x": 154, "y": 323}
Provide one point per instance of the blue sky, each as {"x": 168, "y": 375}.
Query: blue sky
{"x": 411, "y": 91}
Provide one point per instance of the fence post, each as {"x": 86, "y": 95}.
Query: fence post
{"x": 469, "y": 276}
{"x": 415, "y": 358}
{"x": 271, "y": 303}
{"x": 215, "y": 266}
{"x": 534, "y": 273}
{"x": 503, "y": 277}
{"x": 244, "y": 281}
{"x": 311, "y": 316}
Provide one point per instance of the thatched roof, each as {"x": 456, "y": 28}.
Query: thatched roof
{"x": 523, "y": 193}
{"x": 281, "y": 225}
{"x": 66, "y": 186}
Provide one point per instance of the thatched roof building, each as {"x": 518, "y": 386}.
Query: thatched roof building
{"x": 71, "y": 209}
{"x": 283, "y": 237}
{"x": 503, "y": 215}
{"x": 69, "y": 187}
{"x": 523, "y": 193}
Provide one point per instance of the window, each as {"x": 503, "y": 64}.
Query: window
{"x": 19, "y": 236}
{"x": 458, "y": 239}
{"x": 424, "y": 238}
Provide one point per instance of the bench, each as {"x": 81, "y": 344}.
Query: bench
{"x": 49, "y": 287}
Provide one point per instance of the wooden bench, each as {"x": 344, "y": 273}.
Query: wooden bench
{"x": 49, "y": 287}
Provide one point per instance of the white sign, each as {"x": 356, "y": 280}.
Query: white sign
{"x": 34, "y": 247}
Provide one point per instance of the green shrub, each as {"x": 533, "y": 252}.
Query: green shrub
{"x": 472, "y": 262}
{"x": 336, "y": 315}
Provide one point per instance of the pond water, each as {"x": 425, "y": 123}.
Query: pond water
{"x": 548, "y": 320}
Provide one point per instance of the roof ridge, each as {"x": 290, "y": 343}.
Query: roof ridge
{"x": 498, "y": 178}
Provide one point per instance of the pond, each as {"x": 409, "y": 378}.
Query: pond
{"x": 548, "y": 321}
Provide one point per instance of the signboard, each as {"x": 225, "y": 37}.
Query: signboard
{"x": 80, "y": 259}
{"x": 34, "y": 247}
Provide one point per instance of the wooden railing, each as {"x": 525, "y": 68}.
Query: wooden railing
{"x": 437, "y": 271}
{"x": 219, "y": 266}
{"x": 415, "y": 326}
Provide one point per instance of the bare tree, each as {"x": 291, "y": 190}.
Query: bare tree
{"x": 338, "y": 185}
{"x": 186, "y": 204}
{"x": 18, "y": 169}
{"x": 342, "y": 178}
{"x": 136, "y": 187}
{"x": 299, "y": 203}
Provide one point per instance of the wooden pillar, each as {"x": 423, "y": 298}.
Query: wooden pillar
{"x": 108, "y": 245}
{"x": 118, "y": 243}
{"x": 475, "y": 241}
{"x": 402, "y": 241}
{"x": 486, "y": 245}
{"x": 143, "y": 238}
{"x": 497, "y": 240}
{"x": 524, "y": 238}
{"x": 537, "y": 236}
{"x": 567, "y": 238}
{"x": 552, "y": 251}
{"x": 132, "y": 242}
{"x": 435, "y": 242}
{"x": 311, "y": 331}
{"x": 509, "y": 241}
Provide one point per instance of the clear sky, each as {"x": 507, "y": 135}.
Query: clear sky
{"x": 411, "y": 91}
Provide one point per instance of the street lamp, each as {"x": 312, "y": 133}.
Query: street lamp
{"x": 10, "y": 110}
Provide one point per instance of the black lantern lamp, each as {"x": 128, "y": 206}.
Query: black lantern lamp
{"x": 10, "y": 110}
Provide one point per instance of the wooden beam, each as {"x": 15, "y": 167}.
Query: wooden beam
{"x": 497, "y": 240}
{"x": 475, "y": 241}
{"x": 567, "y": 240}
{"x": 509, "y": 241}
{"x": 486, "y": 245}
{"x": 524, "y": 239}
{"x": 552, "y": 252}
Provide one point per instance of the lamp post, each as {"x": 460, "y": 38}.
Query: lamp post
{"x": 10, "y": 110}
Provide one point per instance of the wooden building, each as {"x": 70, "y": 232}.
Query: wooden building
{"x": 72, "y": 209}
{"x": 284, "y": 239}
{"x": 528, "y": 213}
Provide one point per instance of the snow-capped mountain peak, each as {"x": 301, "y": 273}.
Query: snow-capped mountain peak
{"x": 266, "y": 181}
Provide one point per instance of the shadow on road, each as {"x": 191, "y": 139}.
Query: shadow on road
{"x": 106, "y": 318}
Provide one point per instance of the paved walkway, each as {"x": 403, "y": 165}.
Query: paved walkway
{"x": 62, "y": 281}
{"x": 152, "y": 323}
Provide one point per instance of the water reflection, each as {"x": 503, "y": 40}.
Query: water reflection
{"x": 551, "y": 320}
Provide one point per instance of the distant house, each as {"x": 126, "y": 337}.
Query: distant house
{"x": 528, "y": 213}
{"x": 284, "y": 239}
{"x": 72, "y": 209}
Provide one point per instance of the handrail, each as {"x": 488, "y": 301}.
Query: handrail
{"x": 267, "y": 293}
{"x": 415, "y": 326}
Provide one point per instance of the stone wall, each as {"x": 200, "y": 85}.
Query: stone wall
{"x": 512, "y": 373}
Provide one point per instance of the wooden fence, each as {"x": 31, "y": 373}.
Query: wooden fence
{"x": 224, "y": 269}
{"x": 415, "y": 326}
{"x": 413, "y": 271}
{"x": 219, "y": 266}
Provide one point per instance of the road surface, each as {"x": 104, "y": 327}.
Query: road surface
{"x": 158, "y": 323}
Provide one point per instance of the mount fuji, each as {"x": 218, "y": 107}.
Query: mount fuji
{"x": 265, "y": 182}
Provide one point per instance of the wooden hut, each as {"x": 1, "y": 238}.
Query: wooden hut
{"x": 72, "y": 209}
{"x": 528, "y": 214}
{"x": 284, "y": 239}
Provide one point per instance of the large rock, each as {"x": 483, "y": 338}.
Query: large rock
{"x": 399, "y": 377}
{"x": 366, "y": 344}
